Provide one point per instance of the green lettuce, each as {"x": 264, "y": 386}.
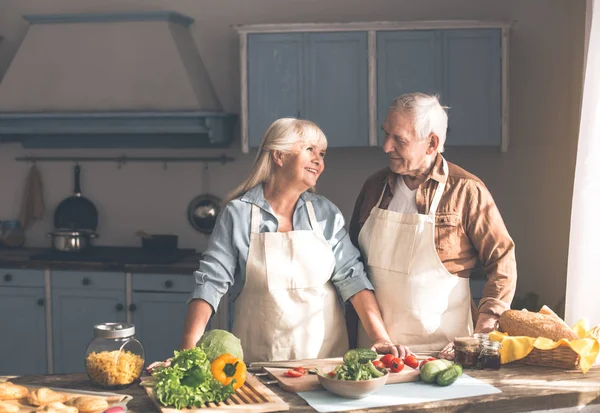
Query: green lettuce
{"x": 188, "y": 381}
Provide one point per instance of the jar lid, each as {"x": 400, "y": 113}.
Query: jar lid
{"x": 492, "y": 345}
{"x": 114, "y": 330}
{"x": 466, "y": 342}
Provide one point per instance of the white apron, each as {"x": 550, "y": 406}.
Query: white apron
{"x": 423, "y": 306}
{"x": 288, "y": 308}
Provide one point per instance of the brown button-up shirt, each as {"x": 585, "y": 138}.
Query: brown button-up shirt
{"x": 468, "y": 228}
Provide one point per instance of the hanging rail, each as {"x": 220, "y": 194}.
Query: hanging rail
{"x": 124, "y": 159}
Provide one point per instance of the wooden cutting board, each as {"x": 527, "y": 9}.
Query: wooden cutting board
{"x": 253, "y": 396}
{"x": 310, "y": 382}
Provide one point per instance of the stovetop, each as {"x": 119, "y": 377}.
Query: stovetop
{"x": 117, "y": 255}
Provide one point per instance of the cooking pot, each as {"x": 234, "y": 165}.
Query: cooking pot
{"x": 71, "y": 241}
{"x": 202, "y": 212}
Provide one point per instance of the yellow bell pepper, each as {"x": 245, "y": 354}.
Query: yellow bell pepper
{"x": 227, "y": 368}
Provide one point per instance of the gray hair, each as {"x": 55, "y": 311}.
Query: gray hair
{"x": 282, "y": 135}
{"x": 428, "y": 115}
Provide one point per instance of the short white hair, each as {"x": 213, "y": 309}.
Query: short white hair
{"x": 428, "y": 115}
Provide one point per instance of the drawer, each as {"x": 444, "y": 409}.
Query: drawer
{"x": 164, "y": 283}
{"x": 21, "y": 278}
{"x": 88, "y": 279}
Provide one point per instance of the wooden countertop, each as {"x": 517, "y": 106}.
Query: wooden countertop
{"x": 19, "y": 258}
{"x": 524, "y": 388}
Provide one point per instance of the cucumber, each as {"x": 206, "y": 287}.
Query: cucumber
{"x": 449, "y": 376}
{"x": 360, "y": 356}
{"x": 430, "y": 370}
{"x": 374, "y": 370}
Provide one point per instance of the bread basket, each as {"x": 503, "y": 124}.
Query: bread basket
{"x": 562, "y": 357}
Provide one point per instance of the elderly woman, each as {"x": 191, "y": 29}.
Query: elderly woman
{"x": 286, "y": 255}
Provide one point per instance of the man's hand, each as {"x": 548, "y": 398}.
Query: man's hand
{"x": 486, "y": 323}
{"x": 447, "y": 352}
{"x": 156, "y": 364}
{"x": 384, "y": 346}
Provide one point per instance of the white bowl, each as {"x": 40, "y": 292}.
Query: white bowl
{"x": 351, "y": 389}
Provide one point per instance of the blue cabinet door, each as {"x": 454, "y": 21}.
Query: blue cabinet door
{"x": 472, "y": 62}
{"x": 407, "y": 61}
{"x": 80, "y": 301}
{"x": 23, "y": 331}
{"x": 159, "y": 320}
{"x": 336, "y": 68}
{"x": 275, "y": 81}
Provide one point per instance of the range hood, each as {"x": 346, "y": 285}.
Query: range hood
{"x": 111, "y": 80}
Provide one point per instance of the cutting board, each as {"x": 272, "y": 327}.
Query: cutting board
{"x": 253, "y": 396}
{"x": 310, "y": 382}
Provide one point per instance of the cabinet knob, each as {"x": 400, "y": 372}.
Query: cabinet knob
{"x": 40, "y": 302}
{"x": 86, "y": 281}
{"x": 119, "y": 307}
{"x": 7, "y": 277}
{"x": 132, "y": 307}
{"x": 168, "y": 283}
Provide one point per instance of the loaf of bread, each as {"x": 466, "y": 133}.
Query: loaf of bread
{"x": 530, "y": 324}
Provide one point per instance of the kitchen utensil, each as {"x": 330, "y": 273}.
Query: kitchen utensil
{"x": 160, "y": 243}
{"x": 203, "y": 210}
{"x": 310, "y": 382}
{"x": 11, "y": 234}
{"x": 351, "y": 389}
{"x": 76, "y": 212}
{"x": 71, "y": 241}
{"x": 143, "y": 234}
{"x": 253, "y": 396}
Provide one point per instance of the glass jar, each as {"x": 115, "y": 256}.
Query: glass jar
{"x": 114, "y": 359}
{"x": 490, "y": 355}
{"x": 466, "y": 351}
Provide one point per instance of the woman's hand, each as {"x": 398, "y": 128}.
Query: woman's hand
{"x": 447, "y": 352}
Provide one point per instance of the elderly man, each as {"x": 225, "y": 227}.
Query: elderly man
{"x": 422, "y": 224}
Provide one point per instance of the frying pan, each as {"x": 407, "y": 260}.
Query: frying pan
{"x": 76, "y": 212}
{"x": 202, "y": 212}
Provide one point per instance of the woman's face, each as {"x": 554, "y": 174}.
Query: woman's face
{"x": 303, "y": 166}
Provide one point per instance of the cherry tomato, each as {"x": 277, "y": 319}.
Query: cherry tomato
{"x": 292, "y": 373}
{"x": 331, "y": 374}
{"x": 411, "y": 361}
{"x": 379, "y": 363}
{"x": 300, "y": 370}
{"x": 396, "y": 365}
{"x": 426, "y": 360}
{"x": 387, "y": 359}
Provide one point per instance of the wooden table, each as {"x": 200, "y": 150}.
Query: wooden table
{"x": 524, "y": 388}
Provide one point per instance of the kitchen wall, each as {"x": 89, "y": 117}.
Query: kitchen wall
{"x": 532, "y": 182}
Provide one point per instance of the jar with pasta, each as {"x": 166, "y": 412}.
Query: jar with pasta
{"x": 114, "y": 359}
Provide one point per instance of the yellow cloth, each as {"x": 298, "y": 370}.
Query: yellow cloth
{"x": 517, "y": 347}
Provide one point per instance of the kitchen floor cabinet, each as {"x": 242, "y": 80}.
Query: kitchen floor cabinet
{"x": 81, "y": 300}
{"x": 317, "y": 76}
{"x": 22, "y": 322}
{"x": 158, "y": 309}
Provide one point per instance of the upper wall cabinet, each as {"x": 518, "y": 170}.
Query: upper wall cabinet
{"x": 317, "y": 76}
{"x": 344, "y": 77}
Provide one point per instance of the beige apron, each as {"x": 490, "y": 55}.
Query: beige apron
{"x": 423, "y": 306}
{"x": 288, "y": 308}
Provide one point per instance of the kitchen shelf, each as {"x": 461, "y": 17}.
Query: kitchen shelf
{"x": 121, "y": 160}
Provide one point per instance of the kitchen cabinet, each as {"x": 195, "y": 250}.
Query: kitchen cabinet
{"x": 81, "y": 300}
{"x": 463, "y": 67}
{"x": 321, "y": 77}
{"x": 158, "y": 308}
{"x": 22, "y": 322}
{"x": 343, "y": 76}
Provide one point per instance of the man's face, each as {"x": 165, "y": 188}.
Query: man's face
{"x": 407, "y": 155}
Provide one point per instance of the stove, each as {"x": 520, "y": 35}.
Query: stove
{"x": 117, "y": 255}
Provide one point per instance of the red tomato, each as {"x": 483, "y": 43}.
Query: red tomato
{"x": 387, "y": 359}
{"x": 426, "y": 360}
{"x": 411, "y": 361}
{"x": 292, "y": 373}
{"x": 331, "y": 374}
{"x": 379, "y": 363}
{"x": 396, "y": 365}
{"x": 300, "y": 370}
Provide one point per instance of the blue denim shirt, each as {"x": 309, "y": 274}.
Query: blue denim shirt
{"x": 223, "y": 264}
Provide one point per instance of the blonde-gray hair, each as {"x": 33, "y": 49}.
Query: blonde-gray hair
{"x": 428, "y": 115}
{"x": 282, "y": 135}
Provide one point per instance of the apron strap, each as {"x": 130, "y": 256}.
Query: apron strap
{"x": 438, "y": 192}
{"x": 381, "y": 195}
{"x": 255, "y": 219}
{"x": 313, "y": 218}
